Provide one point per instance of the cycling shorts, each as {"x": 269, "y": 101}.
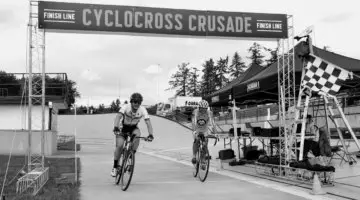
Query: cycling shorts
{"x": 126, "y": 130}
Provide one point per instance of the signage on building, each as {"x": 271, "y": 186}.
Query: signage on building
{"x": 253, "y": 86}
{"x": 215, "y": 99}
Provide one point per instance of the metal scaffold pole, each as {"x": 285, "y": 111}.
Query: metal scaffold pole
{"x": 286, "y": 83}
{"x": 37, "y": 174}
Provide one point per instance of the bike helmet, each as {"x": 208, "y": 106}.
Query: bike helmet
{"x": 203, "y": 104}
{"x": 136, "y": 97}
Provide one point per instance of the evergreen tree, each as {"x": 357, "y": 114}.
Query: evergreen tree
{"x": 237, "y": 67}
{"x": 221, "y": 70}
{"x": 179, "y": 80}
{"x": 208, "y": 79}
{"x": 256, "y": 55}
{"x": 194, "y": 87}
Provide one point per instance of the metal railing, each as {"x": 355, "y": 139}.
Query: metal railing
{"x": 298, "y": 175}
{"x": 33, "y": 181}
{"x": 4, "y": 92}
{"x": 56, "y": 84}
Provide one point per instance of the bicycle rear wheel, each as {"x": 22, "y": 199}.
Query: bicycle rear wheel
{"x": 204, "y": 163}
{"x": 127, "y": 170}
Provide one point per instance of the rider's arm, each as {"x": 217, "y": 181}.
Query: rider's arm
{"x": 147, "y": 120}
{"x": 119, "y": 117}
{"x": 193, "y": 120}
{"x": 149, "y": 126}
{"x": 212, "y": 121}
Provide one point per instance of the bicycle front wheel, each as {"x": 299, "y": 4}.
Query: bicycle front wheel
{"x": 204, "y": 163}
{"x": 196, "y": 165}
{"x": 127, "y": 170}
{"x": 119, "y": 169}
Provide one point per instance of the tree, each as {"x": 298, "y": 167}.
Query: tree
{"x": 221, "y": 69}
{"x": 7, "y": 78}
{"x": 194, "y": 87}
{"x": 273, "y": 56}
{"x": 237, "y": 67}
{"x": 101, "y": 108}
{"x": 117, "y": 102}
{"x": 113, "y": 107}
{"x": 72, "y": 93}
{"x": 81, "y": 110}
{"x": 91, "y": 108}
{"x": 57, "y": 82}
{"x": 179, "y": 80}
{"x": 208, "y": 79}
{"x": 126, "y": 102}
{"x": 256, "y": 56}
{"x": 11, "y": 85}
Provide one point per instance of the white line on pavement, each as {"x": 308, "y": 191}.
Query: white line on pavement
{"x": 288, "y": 189}
{"x": 165, "y": 150}
{"x": 177, "y": 182}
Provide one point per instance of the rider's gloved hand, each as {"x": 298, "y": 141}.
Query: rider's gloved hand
{"x": 116, "y": 130}
{"x": 150, "y": 138}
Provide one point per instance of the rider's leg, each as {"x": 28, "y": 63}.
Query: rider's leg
{"x": 118, "y": 149}
{"x": 119, "y": 145}
{"x": 136, "y": 140}
{"x": 195, "y": 148}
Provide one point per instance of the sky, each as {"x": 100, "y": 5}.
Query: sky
{"x": 107, "y": 67}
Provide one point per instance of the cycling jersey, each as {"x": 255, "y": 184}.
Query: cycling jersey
{"x": 202, "y": 120}
{"x": 132, "y": 119}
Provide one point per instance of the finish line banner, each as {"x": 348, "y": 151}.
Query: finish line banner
{"x": 130, "y": 19}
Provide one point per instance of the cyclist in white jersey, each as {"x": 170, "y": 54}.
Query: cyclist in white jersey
{"x": 126, "y": 122}
{"x": 202, "y": 118}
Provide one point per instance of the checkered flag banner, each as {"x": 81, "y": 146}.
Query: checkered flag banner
{"x": 324, "y": 76}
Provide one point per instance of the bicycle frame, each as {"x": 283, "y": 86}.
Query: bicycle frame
{"x": 126, "y": 152}
{"x": 129, "y": 142}
{"x": 202, "y": 149}
{"x": 204, "y": 139}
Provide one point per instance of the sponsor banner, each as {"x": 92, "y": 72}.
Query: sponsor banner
{"x": 145, "y": 20}
{"x": 253, "y": 86}
{"x": 191, "y": 103}
{"x": 215, "y": 99}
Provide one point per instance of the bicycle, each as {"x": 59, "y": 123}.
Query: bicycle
{"x": 203, "y": 157}
{"x": 127, "y": 156}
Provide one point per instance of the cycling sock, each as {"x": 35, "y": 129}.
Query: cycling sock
{"x": 115, "y": 163}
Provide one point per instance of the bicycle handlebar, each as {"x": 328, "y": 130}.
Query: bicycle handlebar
{"x": 129, "y": 135}
{"x": 213, "y": 137}
{"x": 144, "y": 138}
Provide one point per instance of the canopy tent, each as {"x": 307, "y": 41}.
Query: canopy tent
{"x": 222, "y": 96}
{"x": 263, "y": 87}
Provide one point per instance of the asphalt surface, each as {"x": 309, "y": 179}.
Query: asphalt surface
{"x": 154, "y": 177}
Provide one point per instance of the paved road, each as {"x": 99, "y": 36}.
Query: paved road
{"x": 154, "y": 177}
